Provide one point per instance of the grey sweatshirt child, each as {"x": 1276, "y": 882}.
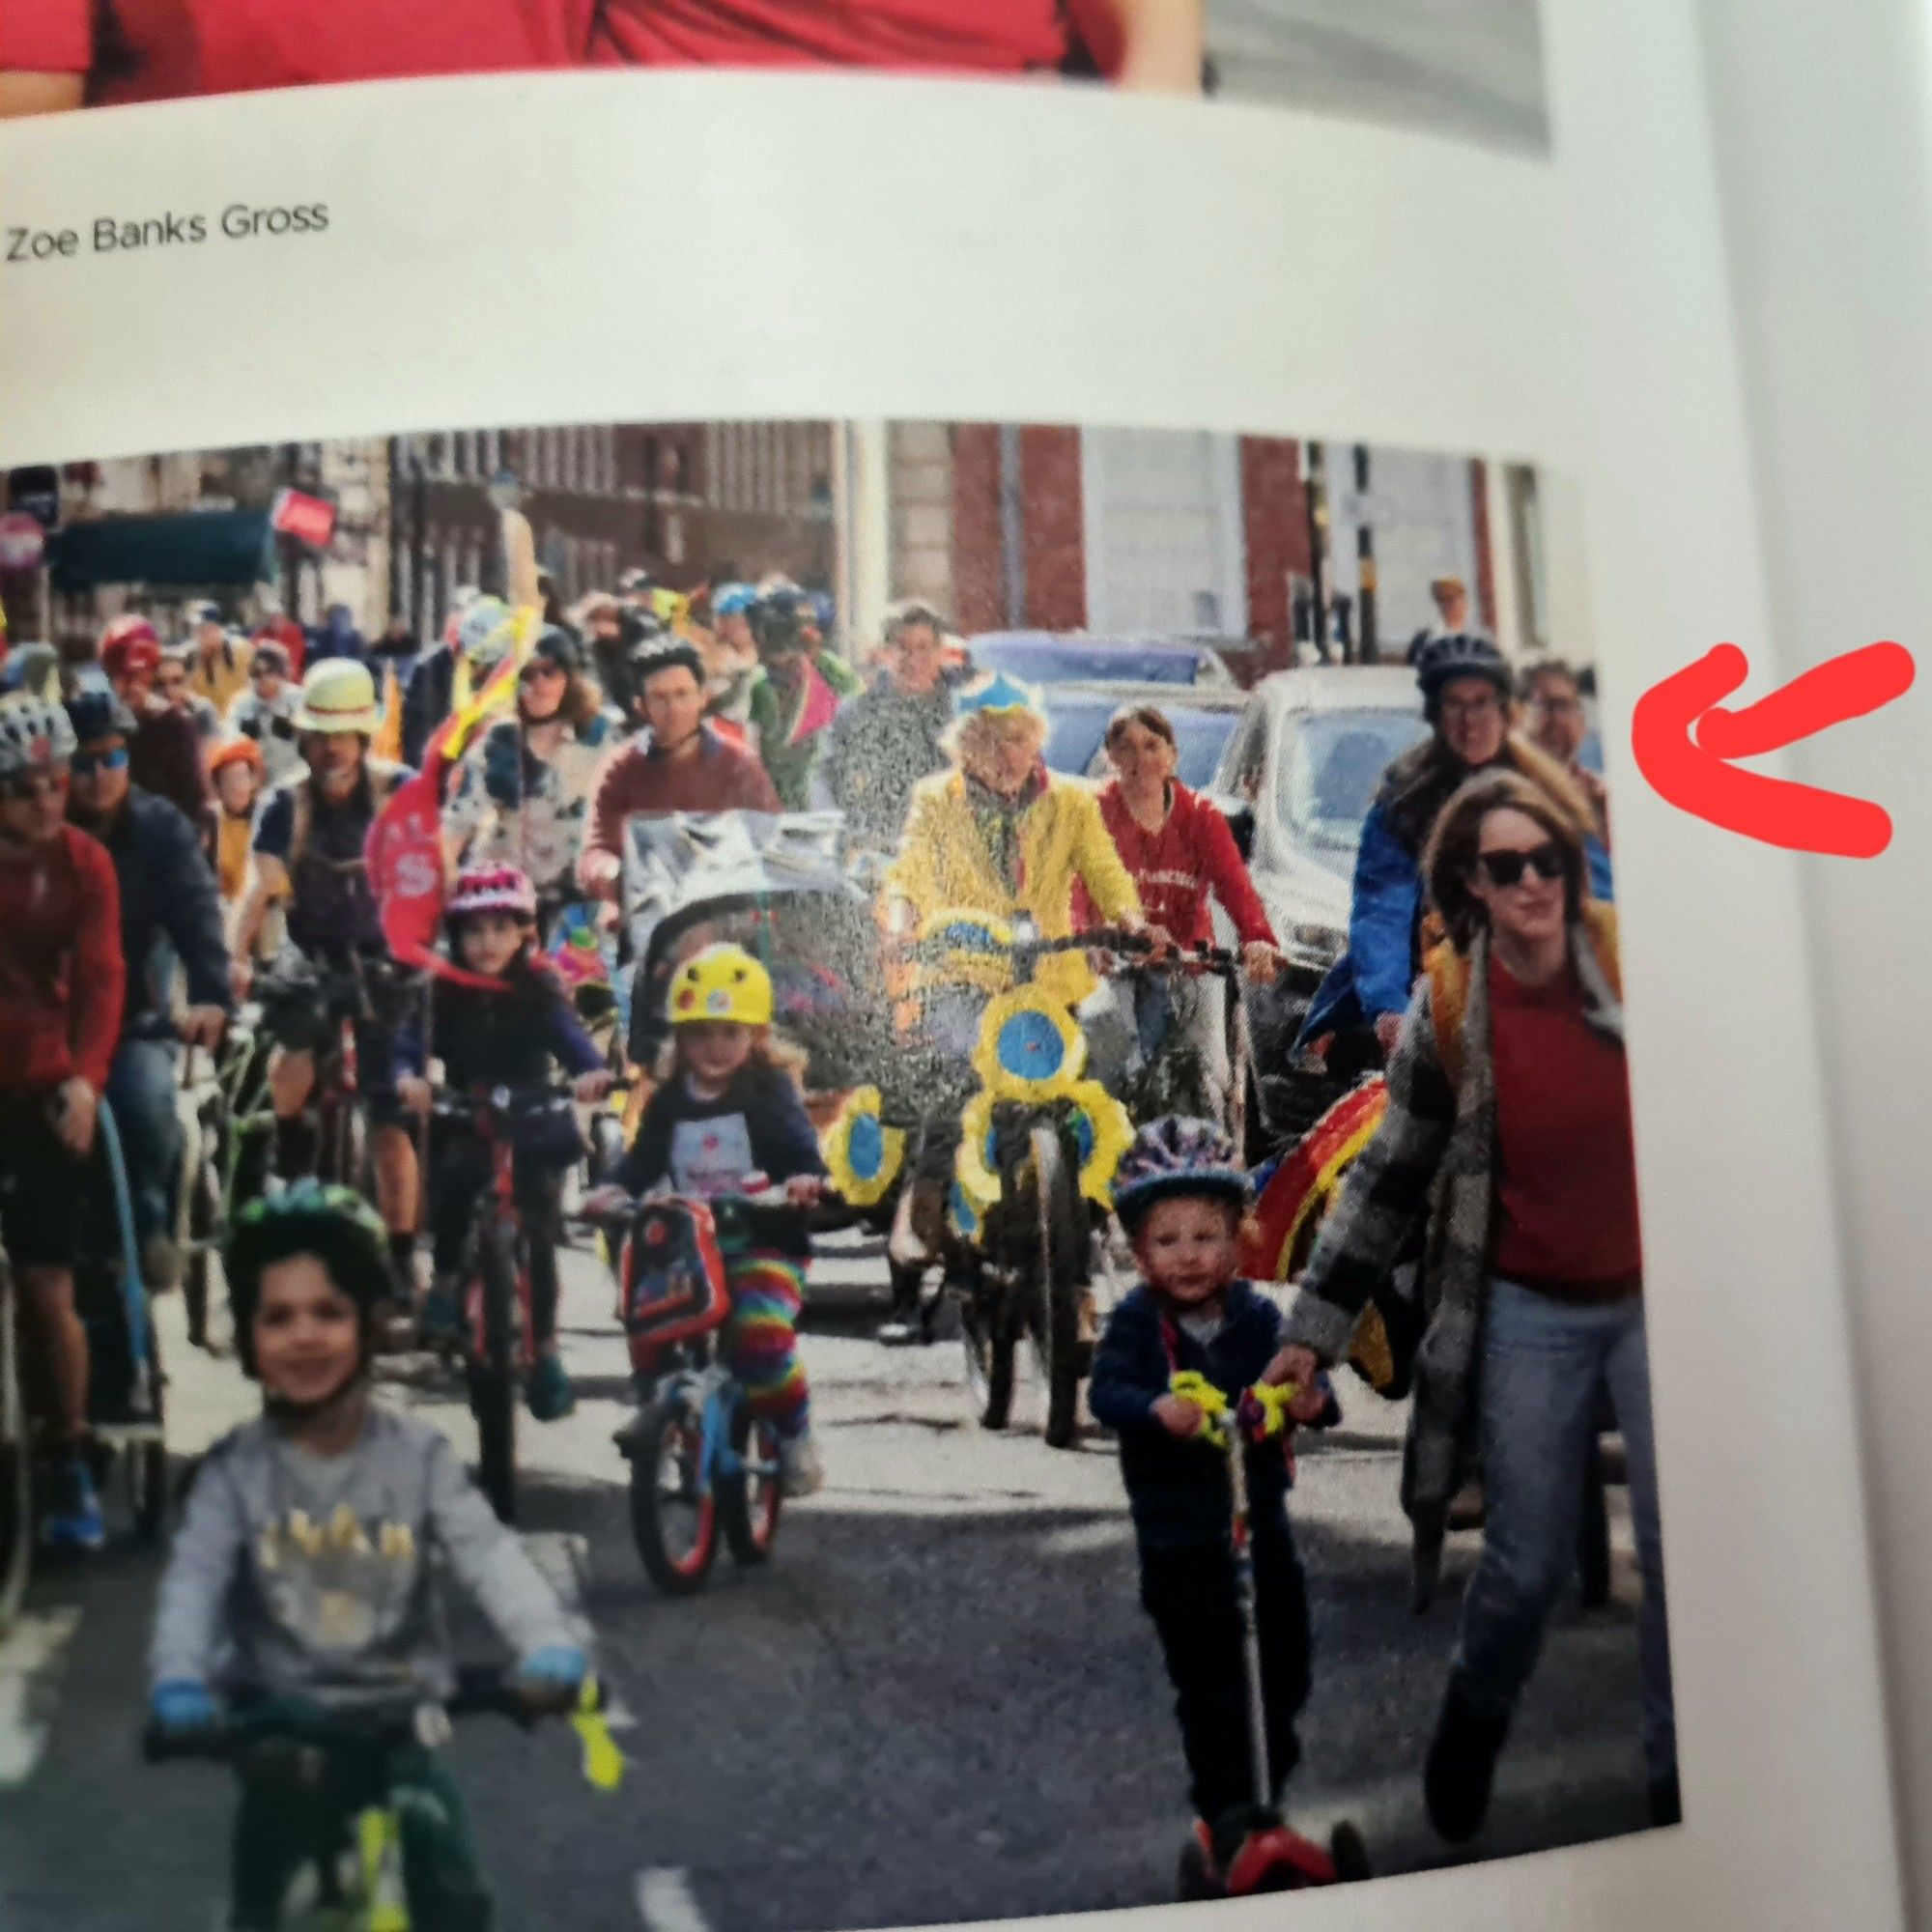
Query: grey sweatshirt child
{"x": 323, "y": 1576}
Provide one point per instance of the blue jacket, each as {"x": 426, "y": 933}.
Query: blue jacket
{"x": 1377, "y": 973}
{"x": 1178, "y": 1492}
{"x": 167, "y": 891}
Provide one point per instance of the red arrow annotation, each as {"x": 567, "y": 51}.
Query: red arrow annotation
{"x": 1698, "y": 776}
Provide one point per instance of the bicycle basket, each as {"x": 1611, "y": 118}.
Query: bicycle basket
{"x": 673, "y": 1274}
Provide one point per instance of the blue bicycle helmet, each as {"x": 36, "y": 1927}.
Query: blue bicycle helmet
{"x": 730, "y": 599}
{"x": 1178, "y": 1155}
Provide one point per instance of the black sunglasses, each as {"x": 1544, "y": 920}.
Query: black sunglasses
{"x": 1505, "y": 868}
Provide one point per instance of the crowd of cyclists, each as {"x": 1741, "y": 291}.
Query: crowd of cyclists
{"x": 182, "y": 835}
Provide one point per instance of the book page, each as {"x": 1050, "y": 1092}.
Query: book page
{"x": 1303, "y": 433}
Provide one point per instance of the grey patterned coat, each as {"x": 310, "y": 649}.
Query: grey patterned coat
{"x": 1434, "y": 1154}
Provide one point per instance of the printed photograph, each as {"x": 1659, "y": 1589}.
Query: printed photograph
{"x": 1469, "y": 67}
{"x": 774, "y": 1175}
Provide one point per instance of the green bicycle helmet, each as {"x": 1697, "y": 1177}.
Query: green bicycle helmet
{"x": 335, "y": 1225}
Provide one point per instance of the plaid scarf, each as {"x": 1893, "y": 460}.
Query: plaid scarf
{"x": 997, "y": 819}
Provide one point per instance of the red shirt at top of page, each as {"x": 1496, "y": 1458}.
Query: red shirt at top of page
{"x": 159, "y": 49}
{"x": 935, "y": 36}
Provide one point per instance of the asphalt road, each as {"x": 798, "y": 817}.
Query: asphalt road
{"x": 1469, "y": 68}
{"x": 939, "y": 1702}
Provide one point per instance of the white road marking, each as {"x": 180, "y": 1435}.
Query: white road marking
{"x": 665, "y": 1902}
{"x": 30, "y": 1663}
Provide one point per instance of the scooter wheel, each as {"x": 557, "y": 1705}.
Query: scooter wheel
{"x": 1350, "y": 1854}
{"x": 1195, "y": 1879}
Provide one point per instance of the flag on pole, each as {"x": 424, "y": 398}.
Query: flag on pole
{"x": 817, "y": 704}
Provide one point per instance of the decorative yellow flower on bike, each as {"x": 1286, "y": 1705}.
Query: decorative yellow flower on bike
{"x": 1030, "y": 1047}
{"x": 976, "y": 1166}
{"x": 862, "y": 1152}
{"x": 1102, "y": 1131}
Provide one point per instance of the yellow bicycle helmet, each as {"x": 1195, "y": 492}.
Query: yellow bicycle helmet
{"x": 722, "y": 983}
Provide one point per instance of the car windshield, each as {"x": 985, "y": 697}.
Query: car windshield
{"x": 1200, "y": 737}
{"x": 1328, "y": 773}
{"x": 1040, "y": 660}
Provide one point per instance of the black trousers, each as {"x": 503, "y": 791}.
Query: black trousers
{"x": 1189, "y": 1592}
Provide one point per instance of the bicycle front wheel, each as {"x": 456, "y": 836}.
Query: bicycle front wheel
{"x": 492, "y": 1369}
{"x": 749, "y": 1502}
{"x": 673, "y": 1513}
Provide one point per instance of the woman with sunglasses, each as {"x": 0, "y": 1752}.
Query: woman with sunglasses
{"x": 1509, "y": 1128}
{"x": 522, "y": 797}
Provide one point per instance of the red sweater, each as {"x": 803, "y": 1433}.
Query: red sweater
{"x": 62, "y": 980}
{"x": 637, "y": 781}
{"x": 926, "y": 36}
{"x": 1566, "y": 1168}
{"x": 156, "y": 49}
{"x": 1177, "y": 869}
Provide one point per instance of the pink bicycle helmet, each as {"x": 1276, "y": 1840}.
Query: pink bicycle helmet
{"x": 492, "y": 889}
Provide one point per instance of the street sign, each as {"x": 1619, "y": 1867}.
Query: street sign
{"x": 309, "y": 520}
{"x": 24, "y": 542}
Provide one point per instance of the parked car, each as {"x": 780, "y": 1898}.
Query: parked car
{"x": 1296, "y": 780}
{"x": 1057, "y": 657}
{"x": 1203, "y": 716}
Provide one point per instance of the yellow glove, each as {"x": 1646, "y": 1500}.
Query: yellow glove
{"x": 1191, "y": 1385}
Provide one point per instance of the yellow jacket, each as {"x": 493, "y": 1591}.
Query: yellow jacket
{"x": 221, "y": 682}
{"x": 943, "y": 864}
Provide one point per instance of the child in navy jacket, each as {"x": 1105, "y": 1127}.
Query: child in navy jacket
{"x": 1180, "y": 1194}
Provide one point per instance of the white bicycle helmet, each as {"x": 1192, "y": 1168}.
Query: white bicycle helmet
{"x": 34, "y": 734}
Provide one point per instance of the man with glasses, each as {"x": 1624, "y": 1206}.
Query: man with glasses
{"x": 266, "y": 712}
{"x": 174, "y": 687}
{"x": 170, "y": 913}
{"x": 1551, "y": 696}
{"x": 1466, "y": 691}
{"x": 61, "y": 990}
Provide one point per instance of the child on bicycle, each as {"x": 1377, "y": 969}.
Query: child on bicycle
{"x": 1180, "y": 1194}
{"x": 728, "y": 1119}
{"x": 308, "y": 1572}
{"x": 510, "y": 1031}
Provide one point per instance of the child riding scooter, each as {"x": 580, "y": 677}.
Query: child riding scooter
{"x": 1189, "y": 1373}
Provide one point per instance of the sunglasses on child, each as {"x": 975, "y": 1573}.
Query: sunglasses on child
{"x": 1506, "y": 869}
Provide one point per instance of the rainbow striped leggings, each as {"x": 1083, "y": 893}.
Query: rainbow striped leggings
{"x": 761, "y": 1337}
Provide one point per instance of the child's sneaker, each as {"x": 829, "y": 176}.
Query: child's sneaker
{"x": 73, "y": 1520}
{"x": 801, "y": 1472}
{"x": 548, "y": 1391}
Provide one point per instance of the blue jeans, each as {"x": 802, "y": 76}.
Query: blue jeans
{"x": 1544, "y": 1364}
{"x": 141, "y": 1090}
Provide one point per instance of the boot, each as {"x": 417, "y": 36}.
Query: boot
{"x": 1462, "y": 1767}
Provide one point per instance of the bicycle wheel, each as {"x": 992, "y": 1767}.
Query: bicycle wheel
{"x": 673, "y": 1513}
{"x": 1057, "y": 1237}
{"x": 749, "y": 1502}
{"x": 492, "y": 1368}
{"x": 16, "y": 1466}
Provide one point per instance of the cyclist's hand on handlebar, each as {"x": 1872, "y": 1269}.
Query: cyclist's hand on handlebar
{"x": 1161, "y": 943}
{"x": 1260, "y": 961}
{"x": 203, "y": 1026}
{"x": 593, "y": 1086}
{"x": 1180, "y": 1416}
{"x": 240, "y": 977}
{"x": 182, "y": 1708}
{"x": 550, "y": 1678}
{"x": 806, "y": 1190}
{"x": 413, "y": 1094}
{"x": 76, "y": 1111}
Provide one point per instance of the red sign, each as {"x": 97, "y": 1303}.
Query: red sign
{"x": 308, "y": 519}
{"x": 24, "y": 542}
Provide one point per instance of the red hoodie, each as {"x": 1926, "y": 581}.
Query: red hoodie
{"x": 159, "y": 49}
{"x": 62, "y": 980}
{"x": 1177, "y": 870}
